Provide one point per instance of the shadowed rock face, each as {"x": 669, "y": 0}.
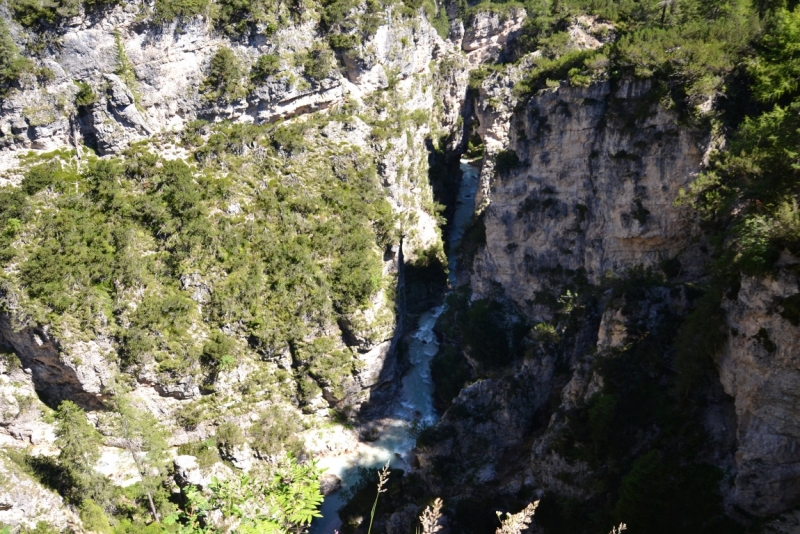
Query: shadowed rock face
{"x": 760, "y": 368}
{"x": 54, "y": 380}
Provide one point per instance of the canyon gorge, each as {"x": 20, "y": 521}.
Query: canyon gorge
{"x": 518, "y": 252}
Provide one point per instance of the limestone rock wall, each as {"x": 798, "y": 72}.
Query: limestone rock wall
{"x": 24, "y": 502}
{"x": 760, "y": 368}
{"x": 593, "y": 191}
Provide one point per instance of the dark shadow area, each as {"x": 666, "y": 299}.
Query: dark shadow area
{"x": 53, "y": 380}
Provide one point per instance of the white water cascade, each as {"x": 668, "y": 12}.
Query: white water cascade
{"x": 414, "y": 407}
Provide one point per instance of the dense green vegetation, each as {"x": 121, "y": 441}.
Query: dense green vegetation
{"x": 225, "y": 78}
{"x": 689, "y": 47}
{"x": 750, "y": 193}
{"x": 280, "y": 499}
{"x": 288, "y": 258}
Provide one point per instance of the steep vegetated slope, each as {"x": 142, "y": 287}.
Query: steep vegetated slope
{"x": 219, "y": 218}
{"x": 230, "y": 264}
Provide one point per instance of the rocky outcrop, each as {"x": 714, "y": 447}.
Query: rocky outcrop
{"x": 147, "y": 78}
{"x": 22, "y": 423}
{"x": 56, "y": 380}
{"x": 760, "y": 368}
{"x": 487, "y": 424}
{"x": 188, "y": 472}
{"x": 585, "y": 186}
{"x": 488, "y": 32}
{"x": 24, "y": 502}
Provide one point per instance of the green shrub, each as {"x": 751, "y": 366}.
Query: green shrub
{"x": 224, "y": 81}
{"x": 205, "y": 452}
{"x": 267, "y": 65}
{"x": 40, "y": 177}
{"x": 275, "y": 431}
{"x": 93, "y": 517}
{"x": 218, "y": 351}
{"x": 171, "y": 10}
{"x": 86, "y": 96}
{"x": 238, "y": 18}
{"x": 229, "y": 435}
{"x": 317, "y": 63}
{"x": 33, "y": 13}
{"x": 335, "y": 12}
{"x": 12, "y": 65}
{"x": 343, "y": 42}
{"x": 328, "y": 364}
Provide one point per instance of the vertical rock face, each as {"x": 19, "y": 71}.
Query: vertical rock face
{"x": 760, "y": 368}
{"x": 54, "y": 378}
{"x": 488, "y": 33}
{"x": 589, "y": 187}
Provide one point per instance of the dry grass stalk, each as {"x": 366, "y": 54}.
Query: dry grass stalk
{"x": 516, "y": 523}
{"x": 383, "y": 478}
{"x": 619, "y": 529}
{"x": 430, "y": 518}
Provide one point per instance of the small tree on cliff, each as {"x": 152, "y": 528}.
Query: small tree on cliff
{"x": 145, "y": 439}
{"x": 80, "y": 449}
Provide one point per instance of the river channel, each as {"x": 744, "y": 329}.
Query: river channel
{"x": 414, "y": 406}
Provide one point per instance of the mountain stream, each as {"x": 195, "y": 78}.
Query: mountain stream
{"x": 414, "y": 406}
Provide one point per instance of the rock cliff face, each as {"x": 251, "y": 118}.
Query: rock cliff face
{"x": 24, "y": 502}
{"x": 579, "y": 186}
{"x": 759, "y": 369}
{"x": 591, "y": 190}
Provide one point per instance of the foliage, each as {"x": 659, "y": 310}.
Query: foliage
{"x": 124, "y": 67}
{"x": 267, "y": 65}
{"x": 238, "y": 18}
{"x": 317, "y": 63}
{"x": 86, "y": 96}
{"x": 698, "y": 54}
{"x": 78, "y": 441}
{"x": 12, "y": 65}
{"x": 205, "y": 451}
{"x": 776, "y": 68}
{"x": 648, "y": 478}
{"x": 218, "y": 352}
{"x": 290, "y": 500}
{"x": 224, "y": 81}
{"x": 749, "y": 194}
{"x": 691, "y": 45}
{"x": 166, "y": 11}
{"x": 335, "y": 12}
{"x": 93, "y": 517}
{"x": 72, "y": 473}
{"x": 33, "y": 13}
{"x": 274, "y": 431}
{"x": 144, "y": 439}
